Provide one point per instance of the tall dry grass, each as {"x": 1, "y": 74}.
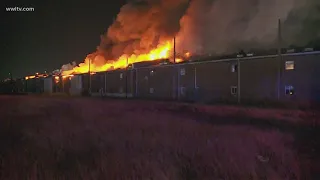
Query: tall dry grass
{"x": 83, "y": 138}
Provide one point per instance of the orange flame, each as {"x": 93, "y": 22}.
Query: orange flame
{"x": 29, "y": 77}
{"x": 161, "y": 52}
{"x": 179, "y": 60}
{"x": 56, "y": 79}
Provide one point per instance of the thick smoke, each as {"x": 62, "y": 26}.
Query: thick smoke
{"x": 211, "y": 26}
{"x": 141, "y": 26}
{"x": 221, "y": 26}
{"x": 208, "y": 26}
{"x": 302, "y": 28}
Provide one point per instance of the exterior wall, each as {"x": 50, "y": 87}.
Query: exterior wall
{"x": 156, "y": 82}
{"x": 256, "y": 79}
{"x": 119, "y": 83}
{"x": 19, "y": 85}
{"x": 31, "y": 86}
{"x": 304, "y": 78}
{"x": 85, "y": 82}
{"x": 97, "y": 82}
{"x": 214, "y": 81}
{"x": 66, "y": 85}
{"x": 259, "y": 78}
{"x": 35, "y": 85}
{"x": 39, "y": 85}
{"x": 187, "y": 82}
{"x": 76, "y": 85}
{"x": 48, "y": 84}
{"x": 58, "y": 87}
{"x": 55, "y": 87}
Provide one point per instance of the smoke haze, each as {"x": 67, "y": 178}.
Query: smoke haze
{"x": 223, "y": 26}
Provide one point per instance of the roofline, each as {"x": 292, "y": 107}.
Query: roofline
{"x": 234, "y": 59}
{"x": 215, "y": 61}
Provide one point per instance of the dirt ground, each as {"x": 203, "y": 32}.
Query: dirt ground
{"x": 90, "y": 138}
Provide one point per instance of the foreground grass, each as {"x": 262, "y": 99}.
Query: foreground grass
{"x": 82, "y": 138}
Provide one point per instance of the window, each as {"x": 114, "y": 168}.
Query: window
{"x": 182, "y": 91}
{"x": 289, "y": 65}
{"x": 182, "y": 72}
{"x": 234, "y": 67}
{"x": 121, "y": 75}
{"x": 151, "y": 73}
{"x": 234, "y": 90}
{"x": 289, "y": 90}
{"x": 151, "y": 90}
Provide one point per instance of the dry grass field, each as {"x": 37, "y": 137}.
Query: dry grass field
{"x": 90, "y": 138}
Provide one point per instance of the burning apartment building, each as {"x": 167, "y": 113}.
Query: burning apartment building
{"x": 188, "y": 50}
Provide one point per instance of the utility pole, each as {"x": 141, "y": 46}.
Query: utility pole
{"x": 89, "y": 89}
{"x": 62, "y": 81}
{"x": 127, "y": 78}
{"x": 174, "y": 49}
{"x": 239, "y": 82}
{"x": 279, "y": 59}
{"x": 176, "y": 67}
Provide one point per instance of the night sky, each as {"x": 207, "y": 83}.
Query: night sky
{"x": 56, "y": 33}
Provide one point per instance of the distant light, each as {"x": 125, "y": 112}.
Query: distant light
{"x": 239, "y": 56}
{"x": 250, "y": 54}
{"x": 289, "y": 65}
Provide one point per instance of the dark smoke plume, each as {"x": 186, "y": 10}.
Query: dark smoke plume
{"x": 209, "y": 26}
{"x": 141, "y": 26}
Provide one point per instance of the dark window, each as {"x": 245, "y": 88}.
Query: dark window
{"x": 234, "y": 90}
{"x": 182, "y": 72}
{"x": 183, "y": 91}
{"x": 289, "y": 90}
{"x": 234, "y": 67}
